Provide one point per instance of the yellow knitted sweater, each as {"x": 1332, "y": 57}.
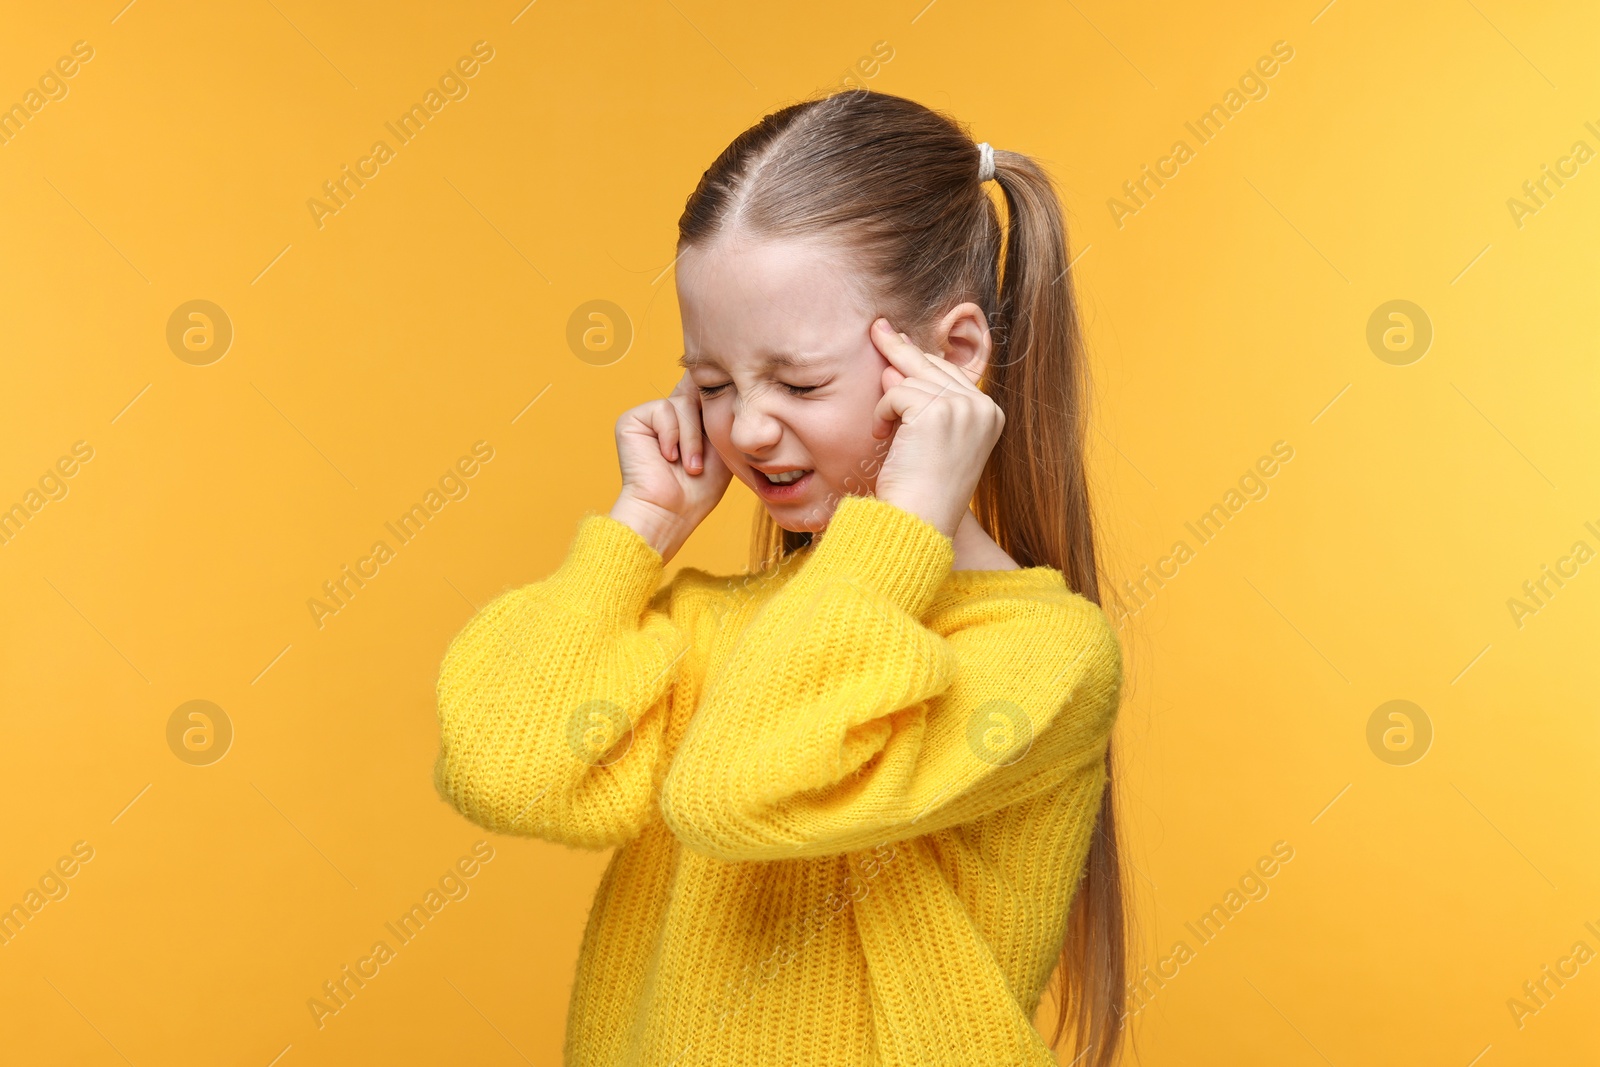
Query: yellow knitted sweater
{"x": 851, "y": 794}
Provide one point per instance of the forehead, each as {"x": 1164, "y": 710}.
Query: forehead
{"x": 747, "y": 299}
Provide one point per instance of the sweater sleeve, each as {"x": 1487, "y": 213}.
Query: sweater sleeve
{"x": 840, "y": 721}
{"x": 553, "y": 699}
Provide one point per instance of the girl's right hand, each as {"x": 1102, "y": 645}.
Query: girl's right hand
{"x": 664, "y": 495}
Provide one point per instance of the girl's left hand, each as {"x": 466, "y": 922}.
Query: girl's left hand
{"x": 943, "y": 430}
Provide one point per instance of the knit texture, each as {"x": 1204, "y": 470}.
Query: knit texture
{"x": 851, "y": 794}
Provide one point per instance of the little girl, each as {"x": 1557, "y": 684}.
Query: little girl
{"x": 854, "y": 793}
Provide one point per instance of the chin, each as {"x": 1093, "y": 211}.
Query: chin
{"x": 800, "y": 520}
{"x": 792, "y": 527}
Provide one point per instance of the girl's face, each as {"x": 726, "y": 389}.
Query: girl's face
{"x": 775, "y": 336}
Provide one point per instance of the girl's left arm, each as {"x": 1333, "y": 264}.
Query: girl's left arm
{"x": 840, "y": 721}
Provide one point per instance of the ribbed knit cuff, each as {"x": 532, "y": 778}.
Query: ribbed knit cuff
{"x": 610, "y": 570}
{"x": 883, "y": 546}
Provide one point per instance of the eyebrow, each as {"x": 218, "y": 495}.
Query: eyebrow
{"x": 775, "y": 359}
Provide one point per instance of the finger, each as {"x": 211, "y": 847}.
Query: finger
{"x": 903, "y": 403}
{"x": 664, "y": 421}
{"x": 713, "y": 469}
{"x": 890, "y": 378}
{"x": 905, "y": 356}
{"x": 960, "y": 373}
{"x": 902, "y": 354}
{"x": 690, "y": 441}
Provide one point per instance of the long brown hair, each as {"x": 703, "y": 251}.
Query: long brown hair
{"x": 897, "y": 185}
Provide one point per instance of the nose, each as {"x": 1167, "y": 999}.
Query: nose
{"x": 754, "y": 430}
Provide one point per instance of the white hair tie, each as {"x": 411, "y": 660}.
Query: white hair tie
{"x": 985, "y": 162}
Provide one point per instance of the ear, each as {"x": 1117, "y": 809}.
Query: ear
{"x": 962, "y": 337}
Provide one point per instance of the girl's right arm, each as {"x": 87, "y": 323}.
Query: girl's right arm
{"x": 554, "y": 699}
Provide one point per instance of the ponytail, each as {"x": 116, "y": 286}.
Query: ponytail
{"x": 1034, "y": 500}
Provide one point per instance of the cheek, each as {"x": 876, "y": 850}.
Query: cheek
{"x": 844, "y": 447}
{"x": 716, "y": 422}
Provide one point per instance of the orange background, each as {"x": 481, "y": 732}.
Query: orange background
{"x": 371, "y": 352}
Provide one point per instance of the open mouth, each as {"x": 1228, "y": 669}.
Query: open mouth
{"x": 784, "y": 485}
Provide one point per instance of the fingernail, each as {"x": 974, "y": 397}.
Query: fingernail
{"x": 694, "y": 461}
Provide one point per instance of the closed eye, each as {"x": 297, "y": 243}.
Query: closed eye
{"x": 709, "y": 391}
